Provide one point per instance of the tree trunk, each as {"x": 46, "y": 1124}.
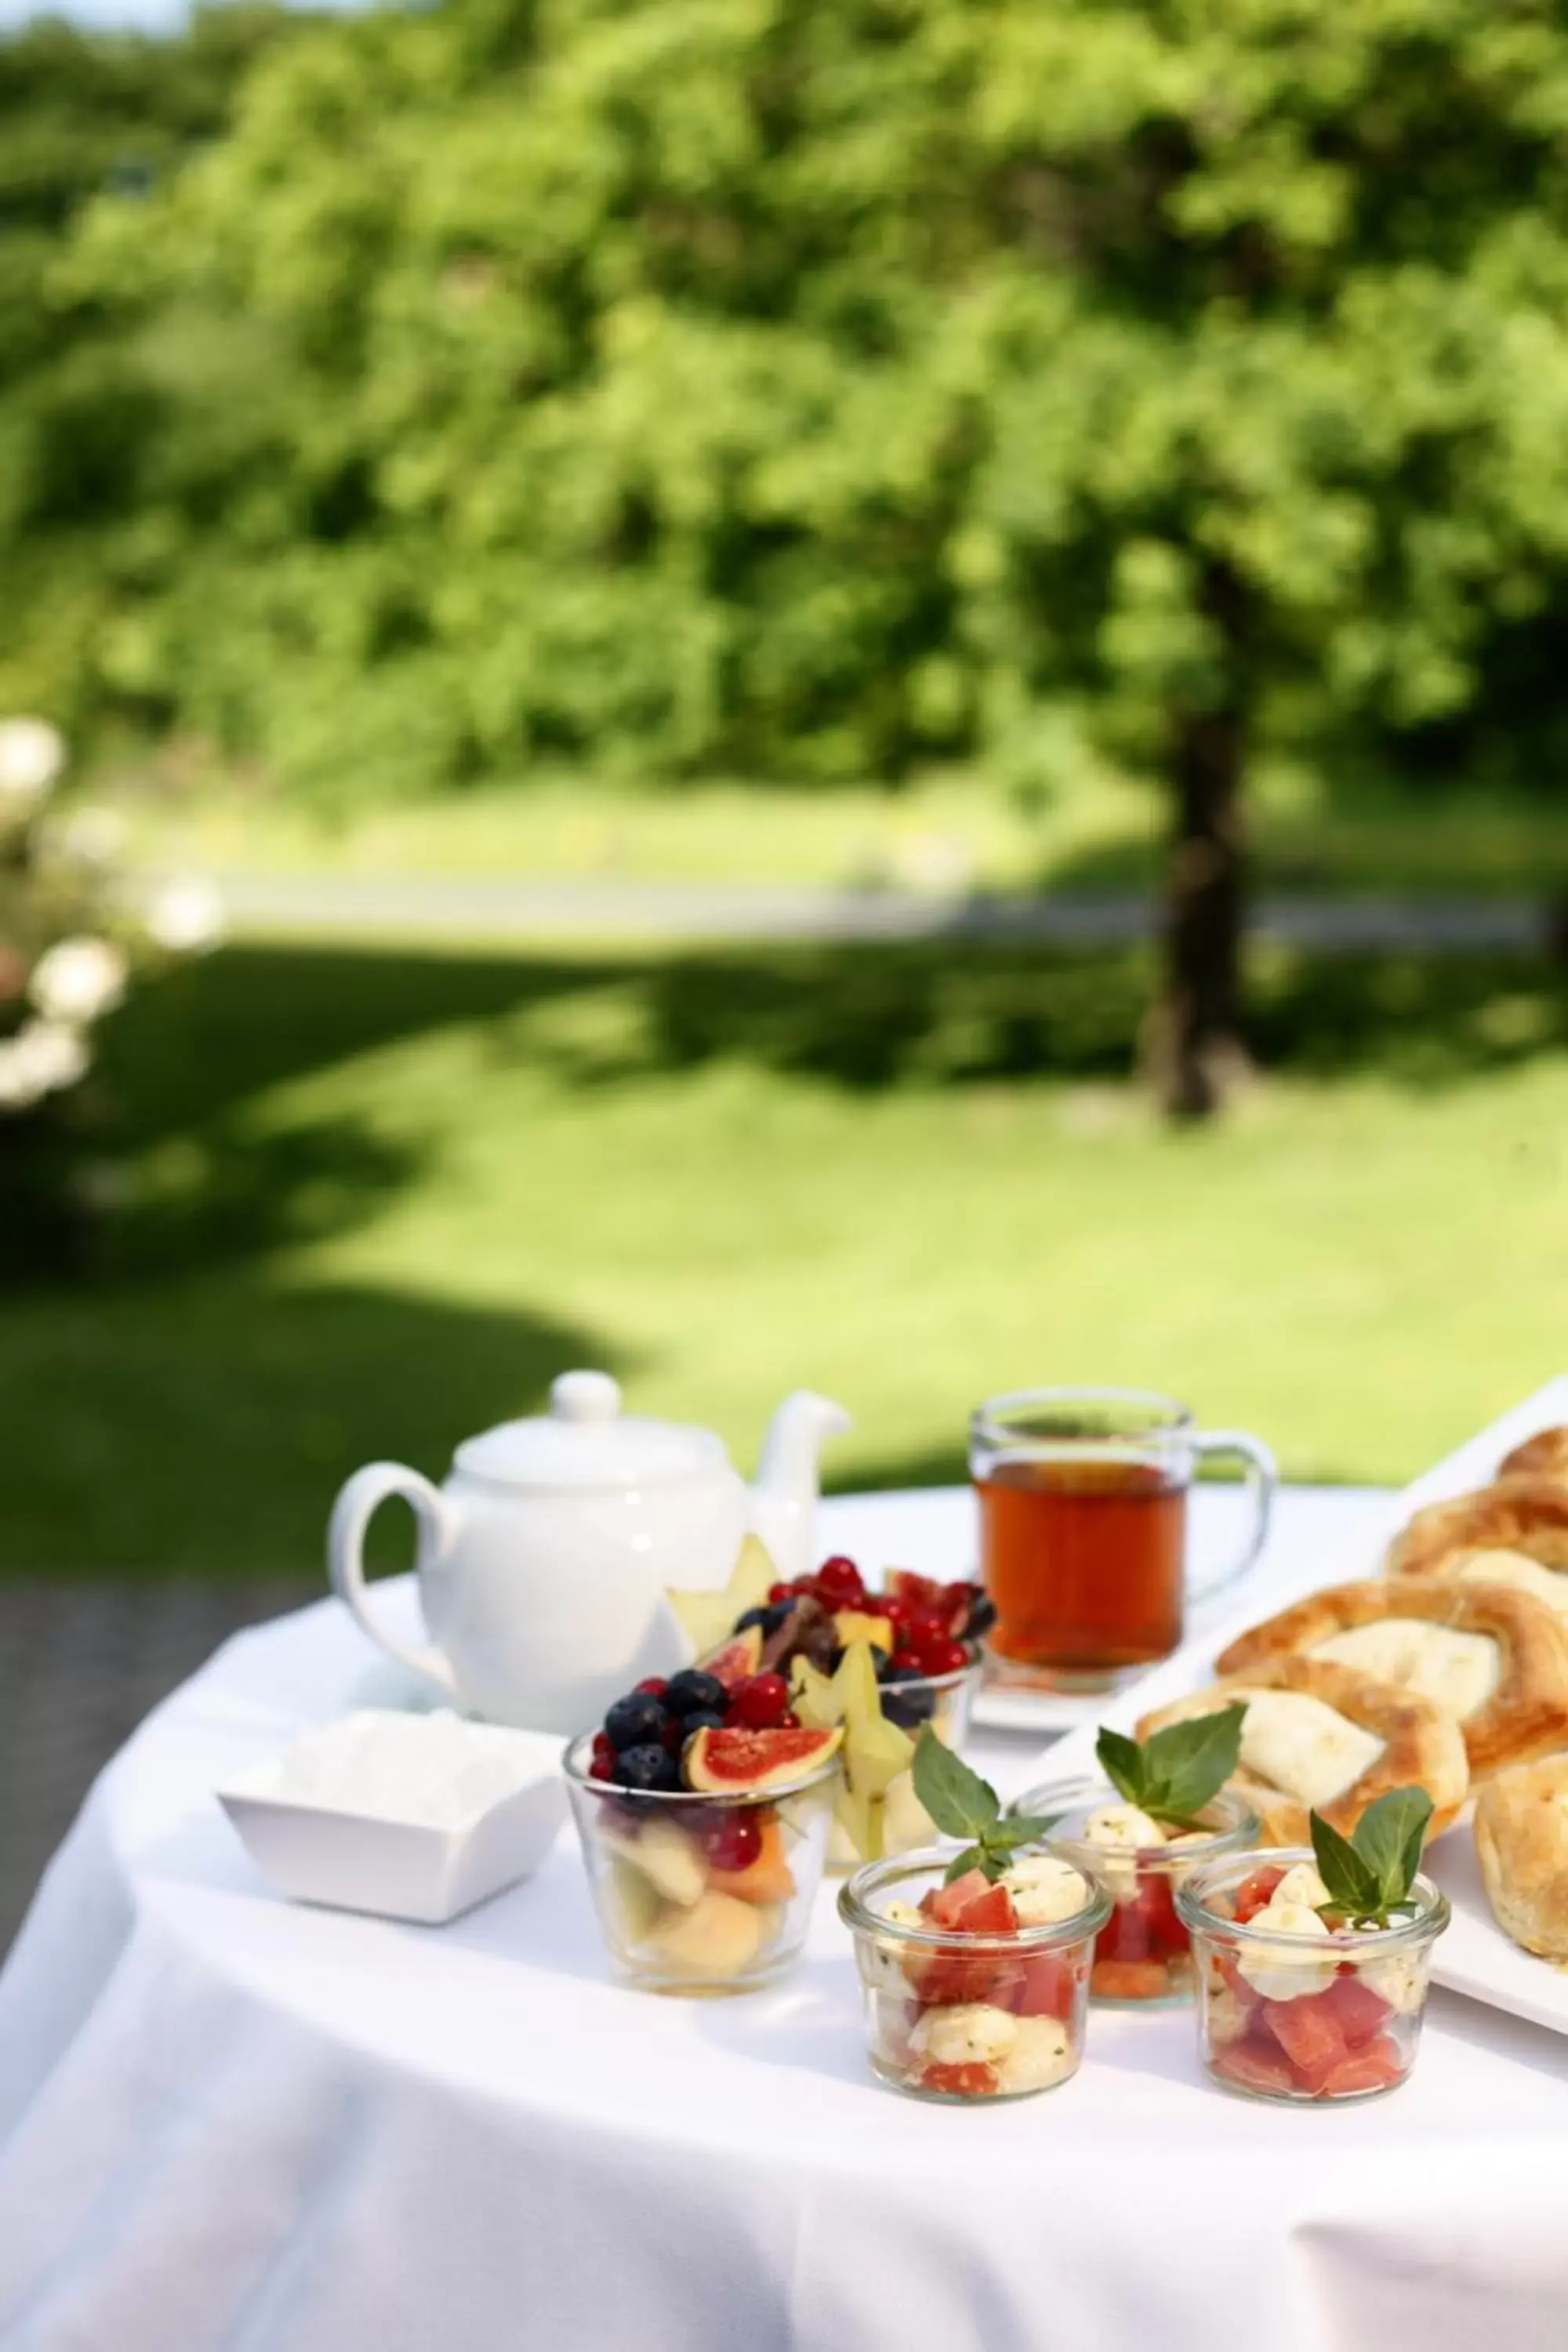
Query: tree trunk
{"x": 1194, "y": 1054}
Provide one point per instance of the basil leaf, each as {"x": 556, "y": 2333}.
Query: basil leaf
{"x": 974, "y": 1857}
{"x": 1188, "y": 1763}
{"x": 1341, "y": 1870}
{"x": 1121, "y": 1761}
{"x": 1025, "y": 1829}
{"x": 1388, "y": 1837}
{"x": 959, "y": 1802}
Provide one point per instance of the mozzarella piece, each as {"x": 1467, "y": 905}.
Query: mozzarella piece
{"x": 1122, "y": 1825}
{"x": 971, "y": 2033}
{"x": 1227, "y": 2014}
{"x": 1301, "y": 1884}
{"x": 1401, "y": 1980}
{"x": 1045, "y": 1890}
{"x": 1302, "y": 1745}
{"x": 1041, "y": 2054}
{"x": 1454, "y": 1670}
{"x": 899, "y": 1914}
{"x": 1513, "y": 1567}
{"x": 1282, "y": 1971}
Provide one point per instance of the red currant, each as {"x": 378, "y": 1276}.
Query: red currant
{"x": 777, "y": 1592}
{"x": 601, "y": 1769}
{"x": 897, "y": 1613}
{"x": 876, "y": 1604}
{"x": 790, "y": 1721}
{"x": 840, "y": 1584}
{"x": 673, "y": 1736}
{"x": 655, "y": 1686}
{"x": 604, "y": 1752}
{"x": 923, "y": 1630}
{"x": 944, "y": 1657}
{"x": 907, "y": 1661}
{"x": 731, "y": 1840}
{"x": 761, "y": 1701}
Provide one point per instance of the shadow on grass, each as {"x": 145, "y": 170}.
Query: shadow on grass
{"x": 207, "y": 1430}
{"x": 190, "y": 1059}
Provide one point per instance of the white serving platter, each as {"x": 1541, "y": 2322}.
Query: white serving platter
{"x": 1474, "y": 1956}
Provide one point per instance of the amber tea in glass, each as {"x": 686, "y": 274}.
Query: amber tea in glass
{"x": 1083, "y": 1528}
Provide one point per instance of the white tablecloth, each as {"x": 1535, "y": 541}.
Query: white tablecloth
{"x": 226, "y": 2122}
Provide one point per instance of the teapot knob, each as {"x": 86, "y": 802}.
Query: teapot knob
{"x": 584, "y": 1396}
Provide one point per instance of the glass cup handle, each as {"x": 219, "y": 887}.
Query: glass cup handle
{"x": 1262, "y": 1477}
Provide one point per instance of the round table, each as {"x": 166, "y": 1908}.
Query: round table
{"x": 226, "y": 2121}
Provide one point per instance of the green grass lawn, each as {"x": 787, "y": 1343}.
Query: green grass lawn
{"x": 374, "y": 1199}
{"x": 946, "y": 832}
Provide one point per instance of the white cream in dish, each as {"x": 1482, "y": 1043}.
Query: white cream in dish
{"x": 1302, "y": 1745}
{"x": 1454, "y": 1670}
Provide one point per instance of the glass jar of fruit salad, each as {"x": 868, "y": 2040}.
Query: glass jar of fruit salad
{"x": 1290, "y": 2005}
{"x": 1142, "y": 1957}
{"x": 974, "y": 1990}
{"x": 697, "y": 1890}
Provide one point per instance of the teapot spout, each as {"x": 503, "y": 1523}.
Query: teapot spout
{"x": 783, "y": 1499}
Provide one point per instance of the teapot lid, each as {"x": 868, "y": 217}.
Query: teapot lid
{"x": 585, "y": 1439}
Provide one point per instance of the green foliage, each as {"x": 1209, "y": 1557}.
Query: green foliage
{"x": 813, "y": 386}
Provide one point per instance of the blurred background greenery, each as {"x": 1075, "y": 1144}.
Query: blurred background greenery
{"x": 900, "y": 445}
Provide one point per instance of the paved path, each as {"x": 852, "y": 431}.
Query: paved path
{"x": 79, "y": 1666}
{"x": 496, "y": 908}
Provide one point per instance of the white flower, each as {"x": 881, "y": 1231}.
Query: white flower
{"x": 186, "y": 915}
{"x": 78, "y": 981}
{"x": 32, "y": 755}
{"x": 42, "y": 1058}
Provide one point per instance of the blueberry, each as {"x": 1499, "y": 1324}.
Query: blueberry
{"x": 886, "y": 1670}
{"x": 908, "y": 1711}
{"x": 636, "y": 1721}
{"x": 982, "y": 1617}
{"x": 692, "y": 1689}
{"x": 775, "y": 1615}
{"x": 704, "y": 1718}
{"x": 753, "y": 1617}
{"x": 648, "y": 1767}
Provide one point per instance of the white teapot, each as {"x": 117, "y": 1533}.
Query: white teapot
{"x": 544, "y": 1558}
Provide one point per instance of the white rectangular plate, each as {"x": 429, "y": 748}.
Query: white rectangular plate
{"x": 1474, "y": 1956}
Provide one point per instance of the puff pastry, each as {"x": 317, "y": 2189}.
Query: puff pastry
{"x": 1526, "y": 1514}
{"x": 1495, "y": 1658}
{"x": 1358, "y": 1739}
{"x": 1546, "y": 1451}
{"x": 1521, "y": 1844}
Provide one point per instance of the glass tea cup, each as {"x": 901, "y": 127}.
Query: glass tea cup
{"x": 1083, "y": 1528}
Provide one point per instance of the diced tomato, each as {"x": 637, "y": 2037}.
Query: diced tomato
{"x": 991, "y": 1913}
{"x": 970, "y": 2079}
{"x": 1125, "y": 1934}
{"x": 1359, "y": 2012}
{"x": 1376, "y": 2068}
{"x": 1253, "y": 2066}
{"x": 950, "y": 1974}
{"x": 945, "y": 1905}
{"x": 1165, "y": 1931}
{"x": 1129, "y": 1980}
{"x": 1045, "y": 1987}
{"x": 1309, "y": 2033}
{"x": 1254, "y": 1892}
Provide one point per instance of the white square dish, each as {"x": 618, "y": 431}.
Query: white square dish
{"x": 397, "y": 1852}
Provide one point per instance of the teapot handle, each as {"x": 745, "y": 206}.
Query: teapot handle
{"x": 363, "y": 1494}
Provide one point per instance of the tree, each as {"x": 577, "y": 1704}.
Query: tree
{"x": 820, "y": 386}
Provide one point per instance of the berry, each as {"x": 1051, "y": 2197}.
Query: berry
{"x": 775, "y": 1617}
{"x": 634, "y": 1721}
{"x": 789, "y": 1720}
{"x": 945, "y": 1657}
{"x": 673, "y": 1736}
{"x": 692, "y": 1689}
{"x": 654, "y": 1685}
{"x": 731, "y": 1840}
{"x": 761, "y": 1702}
{"x": 924, "y": 1629}
{"x": 648, "y": 1767}
{"x": 702, "y": 1719}
{"x": 601, "y": 1769}
{"x": 907, "y": 1666}
{"x": 897, "y": 1613}
{"x": 839, "y": 1583}
{"x": 603, "y": 1748}
{"x": 876, "y": 1604}
{"x": 780, "y": 1592}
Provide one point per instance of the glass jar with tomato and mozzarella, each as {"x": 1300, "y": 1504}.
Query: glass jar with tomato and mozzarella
{"x": 973, "y": 1988}
{"x": 1142, "y": 1955}
{"x": 1296, "y": 2003}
